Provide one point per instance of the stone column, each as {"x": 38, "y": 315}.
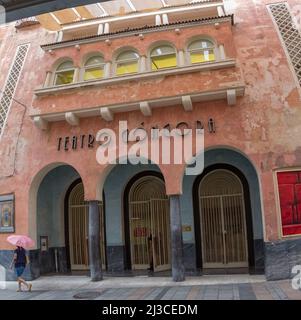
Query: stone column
{"x": 181, "y": 58}
{"x": 158, "y": 20}
{"x": 178, "y": 270}
{"x": 100, "y": 29}
{"x": 107, "y": 69}
{"x": 142, "y": 67}
{"x": 106, "y": 28}
{"x": 222, "y": 52}
{"x": 59, "y": 36}
{"x": 94, "y": 241}
{"x": 165, "y": 18}
{"x": 76, "y": 76}
{"x": 48, "y": 79}
{"x": 220, "y": 11}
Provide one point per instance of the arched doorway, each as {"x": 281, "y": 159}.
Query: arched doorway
{"x": 222, "y": 221}
{"x": 76, "y": 222}
{"x": 148, "y": 223}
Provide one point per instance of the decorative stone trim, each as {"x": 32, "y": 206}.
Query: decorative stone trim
{"x": 289, "y": 35}
{"x": 229, "y": 63}
{"x": 40, "y": 123}
{"x": 72, "y": 119}
{"x": 137, "y": 31}
{"x": 7, "y": 95}
{"x": 107, "y": 112}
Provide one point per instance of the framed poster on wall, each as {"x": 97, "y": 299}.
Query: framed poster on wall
{"x": 289, "y": 188}
{"x": 7, "y": 213}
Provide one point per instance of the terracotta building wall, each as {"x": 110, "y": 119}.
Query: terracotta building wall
{"x": 264, "y": 124}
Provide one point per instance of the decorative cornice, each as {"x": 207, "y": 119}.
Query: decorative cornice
{"x": 137, "y": 77}
{"x": 107, "y": 112}
{"x": 134, "y": 31}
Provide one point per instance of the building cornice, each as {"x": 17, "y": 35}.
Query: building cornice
{"x": 136, "y": 31}
{"x": 229, "y": 93}
{"x": 137, "y": 14}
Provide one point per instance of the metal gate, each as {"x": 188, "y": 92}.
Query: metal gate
{"x": 223, "y": 222}
{"x": 78, "y": 217}
{"x": 149, "y": 225}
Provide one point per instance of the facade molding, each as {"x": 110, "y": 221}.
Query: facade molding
{"x": 107, "y": 113}
{"x": 136, "y": 31}
{"x": 229, "y": 63}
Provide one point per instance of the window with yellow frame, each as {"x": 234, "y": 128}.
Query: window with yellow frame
{"x": 127, "y": 63}
{"x": 201, "y": 51}
{"x": 94, "y": 68}
{"x": 64, "y": 73}
{"x": 163, "y": 57}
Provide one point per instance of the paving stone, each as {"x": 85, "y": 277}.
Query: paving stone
{"x": 181, "y": 294}
{"x": 162, "y": 293}
{"x": 153, "y": 294}
{"x": 45, "y": 290}
{"x": 246, "y": 292}
{"x": 169, "y": 294}
{"x": 276, "y": 292}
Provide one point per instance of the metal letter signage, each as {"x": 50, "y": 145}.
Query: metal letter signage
{"x": 87, "y": 141}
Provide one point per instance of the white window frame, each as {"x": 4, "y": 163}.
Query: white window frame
{"x": 63, "y": 70}
{"x": 93, "y": 66}
{"x": 162, "y": 55}
{"x": 117, "y": 62}
{"x": 189, "y": 51}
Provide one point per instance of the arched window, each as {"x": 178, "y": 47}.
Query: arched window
{"x": 127, "y": 62}
{"x": 163, "y": 57}
{"x": 94, "y": 68}
{"x": 201, "y": 51}
{"x": 64, "y": 73}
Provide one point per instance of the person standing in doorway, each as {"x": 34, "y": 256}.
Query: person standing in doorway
{"x": 20, "y": 260}
{"x": 150, "y": 253}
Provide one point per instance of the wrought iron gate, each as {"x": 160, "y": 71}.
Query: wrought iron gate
{"x": 223, "y": 223}
{"x": 78, "y": 216}
{"x": 149, "y": 225}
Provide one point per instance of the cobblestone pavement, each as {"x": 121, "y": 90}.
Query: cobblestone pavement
{"x": 140, "y": 288}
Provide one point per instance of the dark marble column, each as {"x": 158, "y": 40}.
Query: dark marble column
{"x": 94, "y": 241}
{"x": 178, "y": 270}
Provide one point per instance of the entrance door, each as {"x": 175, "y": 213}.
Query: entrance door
{"x": 78, "y": 216}
{"x": 149, "y": 225}
{"x": 223, "y": 222}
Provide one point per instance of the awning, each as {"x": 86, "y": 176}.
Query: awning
{"x": 55, "y": 20}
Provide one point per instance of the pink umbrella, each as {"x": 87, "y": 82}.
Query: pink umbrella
{"x": 21, "y": 241}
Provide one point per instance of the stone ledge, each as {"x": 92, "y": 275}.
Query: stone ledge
{"x": 229, "y": 63}
{"x": 41, "y": 120}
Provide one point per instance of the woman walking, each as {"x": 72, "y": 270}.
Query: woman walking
{"x": 20, "y": 260}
